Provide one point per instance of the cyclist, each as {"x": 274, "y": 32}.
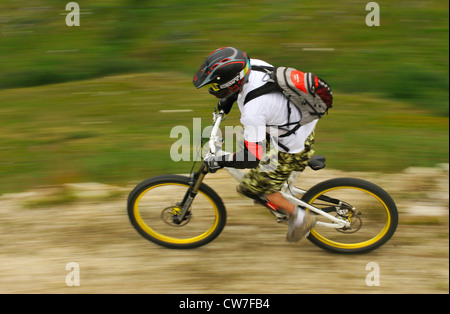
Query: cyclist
{"x": 231, "y": 75}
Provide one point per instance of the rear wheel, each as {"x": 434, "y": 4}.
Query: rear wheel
{"x": 371, "y": 211}
{"x": 153, "y": 207}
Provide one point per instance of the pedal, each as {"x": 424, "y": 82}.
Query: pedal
{"x": 279, "y": 216}
{"x": 281, "y": 219}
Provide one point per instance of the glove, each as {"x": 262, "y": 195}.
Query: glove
{"x": 221, "y": 93}
{"x": 212, "y": 163}
{"x": 225, "y": 104}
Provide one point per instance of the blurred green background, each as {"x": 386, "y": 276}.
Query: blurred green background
{"x": 84, "y": 103}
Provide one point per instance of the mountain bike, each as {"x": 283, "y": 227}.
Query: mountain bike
{"x": 182, "y": 212}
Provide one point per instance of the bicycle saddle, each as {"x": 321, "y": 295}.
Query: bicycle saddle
{"x": 317, "y": 162}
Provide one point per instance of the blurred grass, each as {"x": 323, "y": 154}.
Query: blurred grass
{"x": 111, "y": 130}
{"x": 406, "y": 58}
{"x": 390, "y": 82}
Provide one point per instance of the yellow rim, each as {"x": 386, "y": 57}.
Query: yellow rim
{"x": 369, "y": 242}
{"x": 164, "y": 238}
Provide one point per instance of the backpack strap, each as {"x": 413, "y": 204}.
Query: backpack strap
{"x": 267, "y": 88}
{"x": 262, "y": 68}
{"x": 293, "y": 130}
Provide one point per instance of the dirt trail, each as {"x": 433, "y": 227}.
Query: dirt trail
{"x": 45, "y": 229}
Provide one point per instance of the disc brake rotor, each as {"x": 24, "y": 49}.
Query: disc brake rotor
{"x": 169, "y": 216}
{"x": 355, "y": 223}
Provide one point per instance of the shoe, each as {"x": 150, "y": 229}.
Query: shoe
{"x": 297, "y": 232}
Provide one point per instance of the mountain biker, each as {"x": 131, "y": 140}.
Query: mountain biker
{"x": 231, "y": 75}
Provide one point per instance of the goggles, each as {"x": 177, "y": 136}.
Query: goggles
{"x": 214, "y": 86}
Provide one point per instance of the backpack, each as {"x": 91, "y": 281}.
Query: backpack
{"x": 308, "y": 93}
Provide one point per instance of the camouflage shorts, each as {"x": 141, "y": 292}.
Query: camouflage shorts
{"x": 275, "y": 168}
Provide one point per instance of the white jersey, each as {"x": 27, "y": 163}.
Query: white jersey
{"x": 268, "y": 112}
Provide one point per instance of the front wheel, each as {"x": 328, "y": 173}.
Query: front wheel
{"x": 154, "y": 204}
{"x": 371, "y": 211}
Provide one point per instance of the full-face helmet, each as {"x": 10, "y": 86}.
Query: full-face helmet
{"x": 225, "y": 71}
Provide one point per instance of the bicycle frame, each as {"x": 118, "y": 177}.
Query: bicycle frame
{"x": 288, "y": 191}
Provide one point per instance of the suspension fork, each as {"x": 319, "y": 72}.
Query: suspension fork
{"x": 196, "y": 178}
{"x": 195, "y": 181}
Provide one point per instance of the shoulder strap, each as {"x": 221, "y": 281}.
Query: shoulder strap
{"x": 262, "y": 68}
{"x": 267, "y": 88}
